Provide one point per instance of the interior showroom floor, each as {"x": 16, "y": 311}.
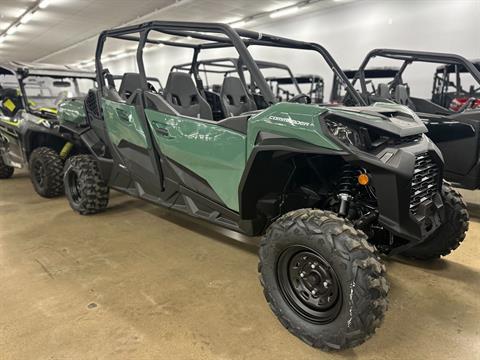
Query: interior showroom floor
{"x": 140, "y": 282}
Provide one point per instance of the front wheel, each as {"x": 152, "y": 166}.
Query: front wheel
{"x": 6, "y": 171}
{"x": 46, "y": 172}
{"x": 452, "y": 232}
{"x": 85, "y": 188}
{"x": 322, "y": 279}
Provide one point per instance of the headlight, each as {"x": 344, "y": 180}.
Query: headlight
{"x": 349, "y": 135}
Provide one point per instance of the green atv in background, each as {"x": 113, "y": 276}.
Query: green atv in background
{"x": 327, "y": 188}
{"x": 31, "y": 95}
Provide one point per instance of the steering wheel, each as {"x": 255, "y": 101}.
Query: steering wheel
{"x": 301, "y": 98}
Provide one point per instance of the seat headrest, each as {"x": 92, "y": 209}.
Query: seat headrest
{"x": 383, "y": 91}
{"x": 181, "y": 89}
{"x": 130, "y": 83}
{"x": 401, "y": 94}
{"x": 181, "y": 92}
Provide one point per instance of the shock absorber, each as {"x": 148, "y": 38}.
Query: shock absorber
{"x": 345, "y": 186}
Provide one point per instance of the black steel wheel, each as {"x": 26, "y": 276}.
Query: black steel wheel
{"x": 322, "y": 279}
{"x": 309, "y": 284}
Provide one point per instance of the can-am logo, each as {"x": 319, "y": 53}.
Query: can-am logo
{"x": 289, "y": 121}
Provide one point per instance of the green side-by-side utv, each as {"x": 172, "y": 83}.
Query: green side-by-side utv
{"x": 31, "y": 95}
{"x": 328, "y": 188}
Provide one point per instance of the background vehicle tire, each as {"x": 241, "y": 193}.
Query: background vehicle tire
{"x": 5, "y": 170}
{"x": 452, "y": 232}
{"x": 339, "y": 302}
{"x": 46, "y": 172}
{"x": 85, "y": 188}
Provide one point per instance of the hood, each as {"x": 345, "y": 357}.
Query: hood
{"x": 393, "y": 118}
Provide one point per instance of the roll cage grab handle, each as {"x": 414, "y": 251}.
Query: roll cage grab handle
{"x": 414, "y": 56}
{"x": 233, "y": 39}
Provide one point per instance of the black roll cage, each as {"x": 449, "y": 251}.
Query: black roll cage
{"x": 409, "y": 56}
{"x": 240, "y": 39}
{"x": 229, "y": 65}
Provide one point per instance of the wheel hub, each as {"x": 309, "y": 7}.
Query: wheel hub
{"x": 309, "y": 284}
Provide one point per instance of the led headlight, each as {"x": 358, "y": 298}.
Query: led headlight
{"x": 348, "y": 135}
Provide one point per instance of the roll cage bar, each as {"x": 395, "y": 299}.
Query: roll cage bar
{"x": 238, "y": 38}
{"x": 408, "y": 57}
{"x": 230, "y": 65}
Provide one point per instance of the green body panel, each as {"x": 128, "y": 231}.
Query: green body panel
{"x": 71, "y": 112}
{"x": 122, "y": 122}
{"x": 212, "y": 152}
{"x": 295, "y": 121}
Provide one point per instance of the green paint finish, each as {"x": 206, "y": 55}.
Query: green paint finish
{"x": 295, "y": 121}
{"x": 71, "y": 112}
{"x": 212, "y": 152}
{"x": 123, "y": 123}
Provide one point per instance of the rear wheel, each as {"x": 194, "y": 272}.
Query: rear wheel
{"x": 85, "y": 188}
{"x": 450, "y": 235}
{"x": 5, "y": 170}
{"x": 46, "y": 171}
{"x": 322, "y": 279}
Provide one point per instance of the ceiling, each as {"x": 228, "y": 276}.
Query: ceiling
{"x": 66, "y": 31}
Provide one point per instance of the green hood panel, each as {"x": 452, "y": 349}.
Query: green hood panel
{"x": 214, "y": 153}
{"x": 295, "y": 121}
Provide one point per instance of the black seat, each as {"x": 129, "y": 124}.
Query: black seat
{"x": 235, "y": 97}
{"x": 383, "y": 91}
{"x": 130, "y": 83}
{"x": 402, "y": 96}
{"x": 181, "y": 92}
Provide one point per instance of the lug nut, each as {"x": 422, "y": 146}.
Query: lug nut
{"x": 325, "y": 284}
{"x": 313, "y": 266}
{"x": 314, "y": 292}
{"x": 302, "y": 274}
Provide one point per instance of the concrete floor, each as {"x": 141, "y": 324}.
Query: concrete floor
{"x": 140, "y": 282}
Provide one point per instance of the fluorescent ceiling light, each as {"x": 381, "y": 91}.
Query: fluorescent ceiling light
{"x": 44, "y": 4}
{"x": 284, "y": 12}
{"x": 26, "y": 18}
{"x": 2, "y": 39}
{"x": 239, "y": 24}
{"x": 12, "y": 30}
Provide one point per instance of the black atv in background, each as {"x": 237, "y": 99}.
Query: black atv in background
{"x": 31, "y": 96}
{"x": 373, "y": 77}
{"x": 312, "y": 85}
{"x": 327, "y": 187}
{"x": 455, "y": 131}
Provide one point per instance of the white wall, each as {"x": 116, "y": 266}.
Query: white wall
{"x": 351, "y": 30}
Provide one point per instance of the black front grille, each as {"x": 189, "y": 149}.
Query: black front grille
{"x": 424, "y": 182}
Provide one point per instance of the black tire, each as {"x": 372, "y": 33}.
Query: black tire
{"x": 46, "y": 172}
{"x": 85, "y": 188}
{"x": 356, "y": 289}
{"x": 450, "y": 235}
{"x": 6, "y": 171}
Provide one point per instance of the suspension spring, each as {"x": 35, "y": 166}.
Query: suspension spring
{"x": 345, "y": 188}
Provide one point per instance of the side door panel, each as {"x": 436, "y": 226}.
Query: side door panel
{"x": 10, "y": 138}
{"x": 129, "y": 136}
{"x": 211, "y": 152}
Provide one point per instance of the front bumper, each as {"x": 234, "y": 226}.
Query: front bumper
{"x": 392, "y": 170}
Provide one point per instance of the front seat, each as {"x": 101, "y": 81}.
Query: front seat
{"x": 402, "y": 97}
{"x": 383, "y": 91}
{"x": 181, "y": 92}
{"x": 130, "y": 83}
{"x": 235, "y": 97}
